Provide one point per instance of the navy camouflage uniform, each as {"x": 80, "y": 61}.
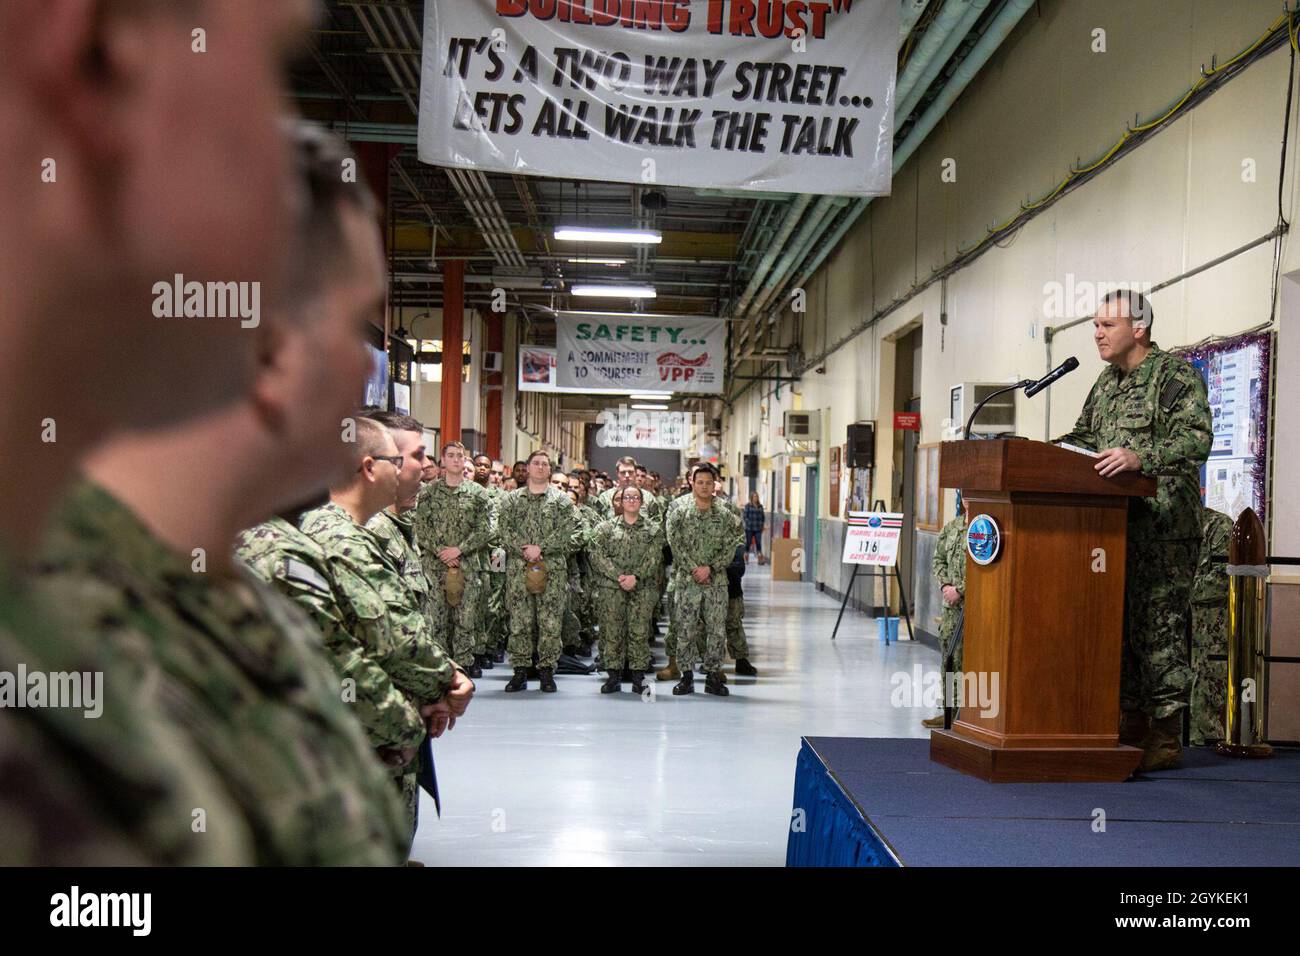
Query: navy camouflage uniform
{"x": 459, "y": 517}
{"x": 548, "y": 521}
{"x": 1210, "y": 631}
{"x": 241, "y": 672}
{"x": 702, "y": 537}
{"x": 1160, "y": 412}
{"x": 621, "y": 548}
{"x": 388, "y": 614}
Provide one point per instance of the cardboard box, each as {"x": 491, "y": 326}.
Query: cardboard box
{"x": 787, "y": 559}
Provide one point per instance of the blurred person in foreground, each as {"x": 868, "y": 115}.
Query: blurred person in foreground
{"x": 141, "y": 556}
{"x": 129, "y": 160}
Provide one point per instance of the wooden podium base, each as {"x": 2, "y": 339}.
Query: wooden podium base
{"x": 1033, "y": 765}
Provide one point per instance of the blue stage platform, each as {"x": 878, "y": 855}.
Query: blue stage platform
{"x": 882, "y": 802}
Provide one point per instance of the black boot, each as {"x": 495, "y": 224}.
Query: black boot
{"x": 499, "y": 657}
{"x": 686, "y": 685}
{"x": 613, "y": 683}
{"x": 744, "y": 668}
{"x": 484, "y": 661}
{"x": 474, "y": 670}
{"x": 547, "y": 676}
{"x": 715, "y": 683}
{"x": 638, "y": 683}
{"x": 519, "y": 681}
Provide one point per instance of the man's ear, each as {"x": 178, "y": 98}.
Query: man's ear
{"x": 273, "y": 379}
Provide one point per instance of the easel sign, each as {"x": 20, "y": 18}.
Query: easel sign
{"x": 872, "y": 538}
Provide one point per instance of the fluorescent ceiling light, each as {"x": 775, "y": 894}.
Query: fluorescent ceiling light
{"x": 652, "y": 396}
{"x": 590, "y": 234}
{"x": 650, "y": 408}
{"x": 594, "y": 261}
{"x": 615, "y": 291}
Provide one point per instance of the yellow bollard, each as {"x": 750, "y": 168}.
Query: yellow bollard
{"x": 1247, "y": 626}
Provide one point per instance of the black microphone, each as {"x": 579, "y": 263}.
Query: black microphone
{"x": 1069, "y": 365}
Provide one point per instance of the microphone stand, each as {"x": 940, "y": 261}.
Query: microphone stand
{"x": 1023, "y": 383}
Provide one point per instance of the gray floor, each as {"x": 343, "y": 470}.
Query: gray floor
{"x": 582, "y": 778}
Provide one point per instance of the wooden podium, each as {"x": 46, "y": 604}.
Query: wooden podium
{"x": 1043, "y": 616}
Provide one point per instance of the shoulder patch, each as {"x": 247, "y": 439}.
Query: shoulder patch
{"x": 296, "y": 570}
{"x": 1170, "y": 394}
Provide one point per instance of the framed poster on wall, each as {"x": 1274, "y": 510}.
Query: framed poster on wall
{"x": 1237, "y": 376}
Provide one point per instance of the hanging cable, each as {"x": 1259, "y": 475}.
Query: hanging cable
{"x": 1282, "y": 223}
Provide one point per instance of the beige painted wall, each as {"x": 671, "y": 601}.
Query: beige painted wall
{"x": 1044, "y": 102}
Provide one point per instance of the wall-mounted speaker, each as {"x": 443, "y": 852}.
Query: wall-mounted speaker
{"x": 862, "y": 445}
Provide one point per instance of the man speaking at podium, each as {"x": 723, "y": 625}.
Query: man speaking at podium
{"x": 1148, "y": 412}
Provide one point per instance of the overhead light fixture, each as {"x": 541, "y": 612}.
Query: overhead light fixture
{"x": 594, "y": 261}
{"x": 615, "y": 291}
{"x": 650, "y": 408}
{"x": 651, "y": 396}
{"x": 591, "y": 234}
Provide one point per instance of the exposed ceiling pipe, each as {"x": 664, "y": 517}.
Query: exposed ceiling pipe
{"x": 413, "y": 29}
{"x": 393, "y": 42}
{"x": 760, "y": 271}
{"x": 815, "y": 225}
{"x": 966, "y": 71}
{"x": 480, "y": 216}
{"x": 762, "y": 285}
{"x": 483, "y": 189}
{"x": 794, "y": 252}
{"x": 763, "y": 222}
{"x": 393, "y": 71}
{"x": 490, "y": 211}
{"x": 998, "y": 30}
{"x": 911, "y": 12}
{"x": 927, "y": 68}
{"x": 390, "y": 24}
{"x": 398, "y": 29}
{"x": 482, "y": 212}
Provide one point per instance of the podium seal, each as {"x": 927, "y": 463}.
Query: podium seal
{"x": 983, "y": 539}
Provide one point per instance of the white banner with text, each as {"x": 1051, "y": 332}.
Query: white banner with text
{"x": 651, "y": 353}
{"x": 769, "y": 95}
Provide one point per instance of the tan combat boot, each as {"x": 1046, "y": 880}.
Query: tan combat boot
{"x": 1133, "y": 726}
{"x": 670, "y": 672}
{"x": 1162, "y": 747}
{"x": 933, "y": 722}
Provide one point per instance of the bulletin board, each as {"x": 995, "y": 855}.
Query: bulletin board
{"x": 1237, "y": 380}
